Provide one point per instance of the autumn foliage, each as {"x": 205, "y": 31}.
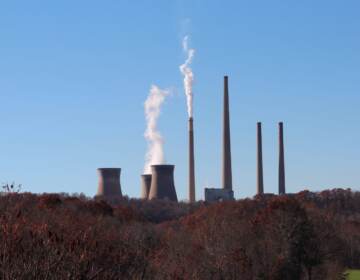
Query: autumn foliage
{"x": 302, "y": 236}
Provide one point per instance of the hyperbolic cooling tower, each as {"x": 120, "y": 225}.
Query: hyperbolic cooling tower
{"x": 145, "y": 185}
{"x": 162, "y": 182}
{"x": 226, "y": 161}
{"x": 109, "y": 183}
{"x": 281, "y": 160}
{"x": 260, "y": 178}
{"x": 191, "y": 162}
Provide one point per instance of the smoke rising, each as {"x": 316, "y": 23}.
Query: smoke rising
{"x": 188, "y": 75}
{"x": 155, "y": 152}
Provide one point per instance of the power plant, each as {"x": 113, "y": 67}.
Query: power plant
{"x": 226, "y": 193}
{"x": 162, "y": 182}
{"x": 109, "y": 186}
{"x": 159, "y": 182}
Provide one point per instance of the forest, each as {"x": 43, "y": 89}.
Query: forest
{"x": 299, "y": 236}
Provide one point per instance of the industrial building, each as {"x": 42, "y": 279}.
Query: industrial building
{"x": 226, "y": 193}
{"x": 160, "y": 183}
{"x": 109, "y": 186}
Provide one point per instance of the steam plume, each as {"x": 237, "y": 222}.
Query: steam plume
{"x": 188, "y": 75}
{"x": 155, "y": 152}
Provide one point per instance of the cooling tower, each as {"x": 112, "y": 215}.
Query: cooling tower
{"x": 162, "y": 182}
{"x": 145, "y": 185}
{"x": 260, "y": 177}
{"x": 281, "y": 160}
{"x": 191, "y": 162}
{"x": 109, "y": 183}
{"x": 226, "y": 160}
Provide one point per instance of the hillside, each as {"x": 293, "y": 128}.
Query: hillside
{"x": 302, "y": 236}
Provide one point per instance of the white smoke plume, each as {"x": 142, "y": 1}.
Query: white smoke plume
{"x": 188, "y": 75}
{"x": 155, "y": 152}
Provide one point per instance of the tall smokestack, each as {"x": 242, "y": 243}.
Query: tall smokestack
{"x": 145, "y": 185}
{"x": 191, "y": 162}
{"x": 226, "y": 161}
{"x": 109, "y": 183}
{"x": 281, "y": 160}
{"x": 162, "y": 182}
{"x": 260, "y": 178}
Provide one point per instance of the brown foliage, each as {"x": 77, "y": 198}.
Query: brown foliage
{"x": 302, "y": 236}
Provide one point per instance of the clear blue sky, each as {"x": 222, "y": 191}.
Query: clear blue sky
{"x": 74, "y": 76}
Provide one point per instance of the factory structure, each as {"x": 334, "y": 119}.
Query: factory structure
{"x": 226, "y": 192}
{"x": 109, "y": 186}
{"x": 160, "y": 183}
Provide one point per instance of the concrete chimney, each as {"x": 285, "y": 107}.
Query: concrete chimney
{"x": 109, "y": 183}
{"x": 260, "y": 177}
{"x": 145, "y": 185}
{"x": 226, "y": 153}
{"x": 281, "y": 160}
{"x": 162, "y": 182}
{"x": 191, "y": 162}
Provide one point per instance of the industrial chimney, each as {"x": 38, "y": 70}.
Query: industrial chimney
{"x": 281, "y": 160}
{"x": 109, "y": 183}
{"x": 145, "y": 185}
{"x": 191, "y": 162}
{"x": 260, "y": 178}
{"x": 226, "y": 160}
{"x": 162, "y": 182}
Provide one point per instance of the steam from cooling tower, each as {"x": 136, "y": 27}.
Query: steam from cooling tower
{"x": 155, "y": 152}
{"x": 188, "y": 75}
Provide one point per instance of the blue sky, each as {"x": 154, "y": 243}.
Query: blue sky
{"x": 74, "y": 76}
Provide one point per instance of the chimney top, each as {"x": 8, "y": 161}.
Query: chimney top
{"x": 163, "y": 166}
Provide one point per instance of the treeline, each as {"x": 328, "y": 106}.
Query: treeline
{"x": 302, "y": 236}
